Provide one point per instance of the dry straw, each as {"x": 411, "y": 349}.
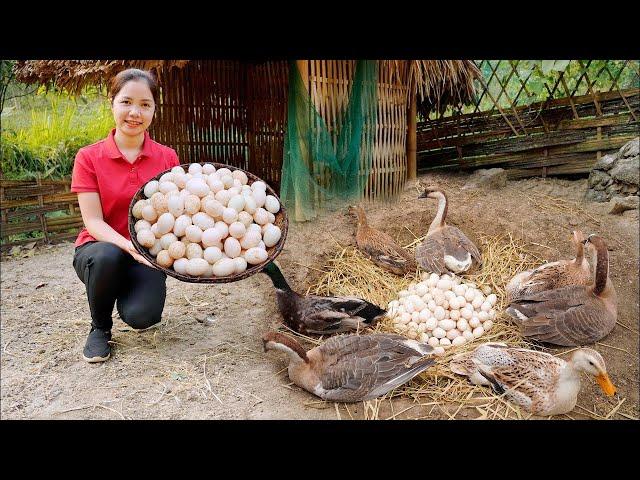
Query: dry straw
{"x": 441, "y": 392}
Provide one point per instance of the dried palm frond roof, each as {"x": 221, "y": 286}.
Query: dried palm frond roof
{"x": 74, "y": 75}
{"x": 438, "y": 83}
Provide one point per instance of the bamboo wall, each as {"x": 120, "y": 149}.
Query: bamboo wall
{"x": 226, "y": 111}
{"x": 329, "y": 82}
{"x": 24, "y": 205}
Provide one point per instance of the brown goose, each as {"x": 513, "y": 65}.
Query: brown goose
{"x": 353, "y": 368}
{"x": 539, "y": 382}
{"x": 381, "y": 248}
{"x": 554, "y": 274}
{"x": 446, "y": 247}
{"x": 571, "y": 315}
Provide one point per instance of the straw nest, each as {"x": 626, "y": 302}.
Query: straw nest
{"x": 442, "y": 392}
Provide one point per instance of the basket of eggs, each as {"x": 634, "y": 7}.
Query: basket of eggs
{"x": 207, "y": 223}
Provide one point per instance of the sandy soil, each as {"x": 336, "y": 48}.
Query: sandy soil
{"x": 205, "y": 359}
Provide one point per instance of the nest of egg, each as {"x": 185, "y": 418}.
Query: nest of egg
{"x": 438, "y": 389}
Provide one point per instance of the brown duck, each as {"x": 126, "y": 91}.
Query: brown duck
{"x": 445, "y": 248}
{"x": 318, "y": 314}
{"x": 353, "y": 368}
{"x": 571, "y": 315}
{"x": 381, "y": 248}
{"x": 554, "y": 274}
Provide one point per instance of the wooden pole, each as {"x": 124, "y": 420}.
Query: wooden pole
{"x": 412, "y": 163}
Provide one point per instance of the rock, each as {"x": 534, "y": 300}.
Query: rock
{"x": 627, "y": 170}
{"x": 620, "y": 204}
{"x": 630, "y": 149}
{"x": 606, "y": 162}
{"x": 488, "y": 178}
{"x": 596, "y": 196}
{"x": 599, "y": 180}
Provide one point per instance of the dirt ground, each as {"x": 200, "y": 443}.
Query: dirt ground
{"x": 187, "y": 368}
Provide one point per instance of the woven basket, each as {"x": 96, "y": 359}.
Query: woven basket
{"x": 281, "y": 221}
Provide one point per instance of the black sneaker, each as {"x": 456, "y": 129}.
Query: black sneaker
{"x": 97, "y": 348}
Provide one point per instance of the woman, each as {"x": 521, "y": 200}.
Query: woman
{"x": 106, "y": 176}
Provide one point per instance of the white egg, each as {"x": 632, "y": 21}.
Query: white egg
{"x": 272, "y": 204}
{"x": 245, "y": 218}
{"x": 198, "y": 187}
{"x": 439, "y": 351}
{"x": 165, "y": 223}
{"x": 197, "y": 266}
{"x": 431, "y": 323}
{"x": 445, "y": 305}
{"x": 177, "y": 250}
{"x": 229, "y": 215}
{"x": 459, "y": 290}
{"x": 195, "y": 168}
{"x": 175, "y": 204}
{"x": 433, "y": 341}
{"x": 167, "y": 187}
{"x": 241, "y": 176}
{"x": 483, "y": 316}
{"x": 424, "y": 337}
{"x": 415, "y": 317}
{"x": 215, "y": 185}
{"x": 224, "y": 229}
{"x": 485, "y": 307}
{"x": 149, "y": 213}
{"x": 250, "y": 239}
{"x": 177, "y": 170}
{"x": 261, "y": 217}
{"x": 405, "y": 318}
{"x": 424, "y": 315}
{"x": 180, "y": 266}
{"x": 412, "y": 325}
{"x": 468, "y": 335}
{"x": 154, "y": 230}
{"x": 272, "y": 217}
{"x": 459, "y": 340}
{"x": 408, "y": 305}
{"x": 208, "y": 169}
{"x": 157, "y": 248}
{"x": 492, "y": 299}
{"x": 462, "y": 325}
{"x": 194, "y": 250}
{"x": 211, "y": 237}
{"x": 223, "y": 197}
{"x": 431, "y": 283}
{"x": 431, "y": 305}
{"x": 224, "y": 267}
{"x": 454, "y": 304}
{"x": 492, "y": 314}
{"x": 180, "y": 180}
{"x": 474, "y": 322}
{"x": 167, "y": 177}
{"x": 167, "y": 239}
{"x": 438, "y": 313}
{"x": 447, "y": 325}
{"x": 212, "y": 207}
{"x": 453, "y": 334}
{"x": 445, "y": 342}
{"x": 477, "y": 301}
{"x": 146, "y": 238}
{"x": 478, "y": 331}
{"x": 258, "y": 185}
{"x": 150, "y": 188}
{"x": 439, "y": 332}
{"x": 272, "y": 236}
{"x": 448, "y": 294}
{"x": 224, "y": 171}
{"x": 454, "y": 315}
{"x": 237, "y": 203}
{"x": 180, "y": 225}
{"x": 237, "y": 230}
{"x": 191, "y": 204}
{"x": 444, "y": 284}
{"x": 469, "y": 295}
{"x": 232, "y": 247}
{"x": 403, "y": 293}
{"x": 141, "y": 224}
{"x": 255, "y": 255}
{"x": 487, "y": 325}
{"x": 260, "y": 197}
{"x": 193, "y": 233}
{"x": 240, "y": 265}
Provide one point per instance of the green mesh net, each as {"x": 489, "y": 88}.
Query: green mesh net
{"x": 321, "y": 171}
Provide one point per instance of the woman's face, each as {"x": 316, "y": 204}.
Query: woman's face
{"x": 133, "y": 108}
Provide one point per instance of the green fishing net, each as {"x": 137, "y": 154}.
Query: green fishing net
{"x": 321, "y": 171}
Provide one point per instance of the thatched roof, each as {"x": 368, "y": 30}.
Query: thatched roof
{"x": 438, "y": 83}
{"x": 74, "y": 75}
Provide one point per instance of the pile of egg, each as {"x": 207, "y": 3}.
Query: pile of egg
{"x": 206, "y": 222}
{"x": 443, "y": 311}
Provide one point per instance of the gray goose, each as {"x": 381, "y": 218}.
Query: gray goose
{"x": 353, "y": 368}
{"x": 554, "y": 274}
{"x": 537, "y": 381}
{"x": 445, "y": 248}
{"x": 571, "y": 315}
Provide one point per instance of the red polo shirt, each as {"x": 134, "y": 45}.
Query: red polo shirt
{"x": 102, "y": 168}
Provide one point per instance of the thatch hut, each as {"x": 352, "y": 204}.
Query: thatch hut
{"x": 236, "y": 112}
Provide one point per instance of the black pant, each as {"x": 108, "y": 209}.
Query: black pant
{"x": 111, "y": 275}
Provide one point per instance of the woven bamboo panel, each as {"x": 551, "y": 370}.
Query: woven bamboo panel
{"x": 329, "y": 83}
{"x": 24, "y": 205}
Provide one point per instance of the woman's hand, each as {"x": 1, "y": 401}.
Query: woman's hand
{"x": 131, "y": 250}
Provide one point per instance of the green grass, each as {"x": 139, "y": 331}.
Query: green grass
{"x": 42, "y": 132}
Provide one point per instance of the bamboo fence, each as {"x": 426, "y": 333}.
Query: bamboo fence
{"x": 564, "y": 135}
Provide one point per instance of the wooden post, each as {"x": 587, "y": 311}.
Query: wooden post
{"x": 412, "y": 162}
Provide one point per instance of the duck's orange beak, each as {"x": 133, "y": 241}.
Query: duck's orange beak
{"x": 605, "y": 384}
